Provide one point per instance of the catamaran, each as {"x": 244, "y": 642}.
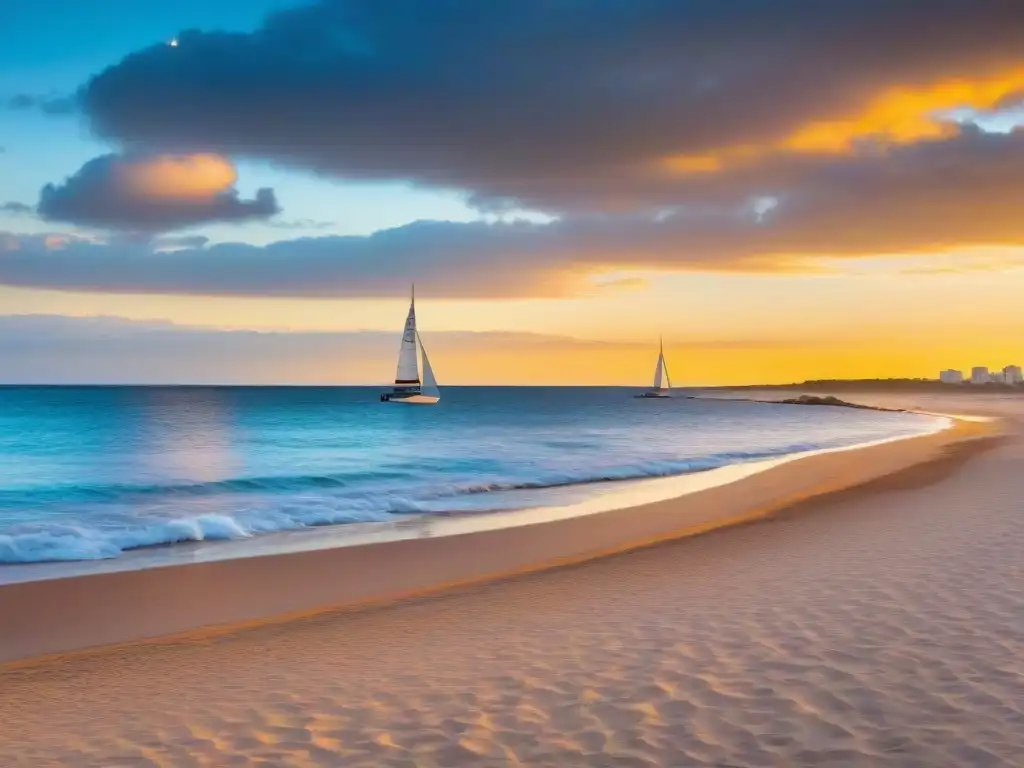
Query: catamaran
{"x": 661, "y": 377}
{"x": 408, "y": 387}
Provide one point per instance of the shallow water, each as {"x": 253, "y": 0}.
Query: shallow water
{"x": 89, "y": 472}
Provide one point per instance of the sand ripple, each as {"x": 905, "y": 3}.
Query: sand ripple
{"x": 882, "y": 631}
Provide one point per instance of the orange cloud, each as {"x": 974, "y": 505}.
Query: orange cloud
{"x": 152, "y": 193}
{"x": 689, "y": 164}
{"x": 178, "y": 177}
{"x": 904, "y": 114}
{"x": 898, "y": 115}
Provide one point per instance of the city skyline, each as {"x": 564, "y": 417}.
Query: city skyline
{"x": 980, "y": 374}
{"x": 794, "y": 201}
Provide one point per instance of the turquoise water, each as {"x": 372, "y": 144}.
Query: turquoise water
{"x": 89, "y": 472}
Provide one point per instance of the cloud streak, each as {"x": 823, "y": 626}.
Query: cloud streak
{"x": 17, "y": 208}
{"x": 54, "y": 106}
{"x": 916, "y": 199}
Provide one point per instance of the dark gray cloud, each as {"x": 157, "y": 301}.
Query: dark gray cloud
{"x": 524, "y": 100}
{"x": 55, "y": 106}
{"x": 100, "y": 194}
{"x": 1011, "y": 101}
{"x": 925, "y": 198}
{"x": 16, "y": 207}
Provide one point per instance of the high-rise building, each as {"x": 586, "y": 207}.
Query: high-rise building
{"x": 980, "y": 375}
{"x": 1012, "y": 374}
{"x": 951, "y": 377}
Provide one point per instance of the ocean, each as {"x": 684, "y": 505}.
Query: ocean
{"x": 92, "y": 472}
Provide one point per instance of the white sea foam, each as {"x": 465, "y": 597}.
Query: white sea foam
{"x": 88, "y": 474}
{"x": 294, "y": 503}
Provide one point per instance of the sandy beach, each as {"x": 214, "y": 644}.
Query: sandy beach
{"x": 861, "y": 608}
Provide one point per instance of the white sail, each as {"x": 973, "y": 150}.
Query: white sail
{"x": 659, "y": 370}
{"x": 408, "y": 371}
{"x": 408, "y": 387}
{"x": 661, "y": 378}
{"x": 430, "y": 387}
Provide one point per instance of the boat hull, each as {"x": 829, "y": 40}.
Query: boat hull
{"x": 409, "y": 399}
{"x": 653, "y": 396}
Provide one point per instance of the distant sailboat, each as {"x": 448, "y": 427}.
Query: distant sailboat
{"x": 408, "y": 387}
{"x": 661, "y": 377}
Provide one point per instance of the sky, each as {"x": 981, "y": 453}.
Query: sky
{"x": 243, "y": 191}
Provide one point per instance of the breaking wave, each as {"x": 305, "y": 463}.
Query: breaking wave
{"x": 248, "y": 507}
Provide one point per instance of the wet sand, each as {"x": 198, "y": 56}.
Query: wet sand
{"x": 873, "y": 615}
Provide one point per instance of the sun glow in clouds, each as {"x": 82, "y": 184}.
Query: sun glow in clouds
{"x": 899, "y": 115}
{"x": 178, "y": 177}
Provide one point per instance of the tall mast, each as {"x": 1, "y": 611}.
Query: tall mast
{"x": 664, "y": 362}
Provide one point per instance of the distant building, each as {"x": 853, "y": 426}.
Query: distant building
{"x": 951, "y": 377}
{"x": 1012, "y": 374}
{"x": 980, "y": 375}
{"x": 997, "y": 377}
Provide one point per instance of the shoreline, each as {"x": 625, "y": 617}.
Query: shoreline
{"x": 200, "y": 598}
{"x": 612, "y": 494}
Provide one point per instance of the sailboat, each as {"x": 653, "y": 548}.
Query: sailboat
{"x": 661, "y": 377}
{"x": 408, "y": 387}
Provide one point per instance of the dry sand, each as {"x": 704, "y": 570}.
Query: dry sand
{"x": 881, "y": 625}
